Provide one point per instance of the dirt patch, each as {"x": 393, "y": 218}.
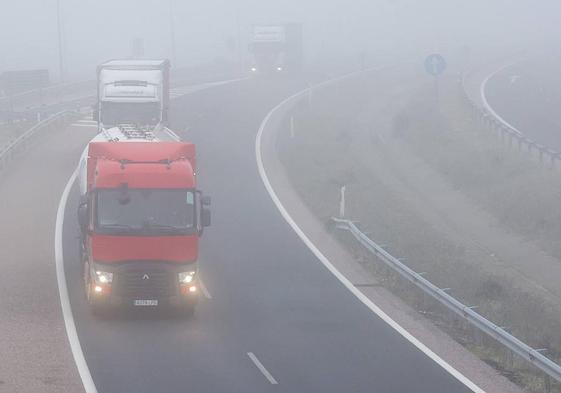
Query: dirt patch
{"x": 441, "y": 192}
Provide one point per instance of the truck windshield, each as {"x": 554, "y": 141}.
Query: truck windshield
{"x": 154, "y": 212}
{"x": 140, "y": 113}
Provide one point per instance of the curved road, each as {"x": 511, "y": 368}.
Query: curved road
{"x": 275, "y": 320}
{"x": 527, "y": 94}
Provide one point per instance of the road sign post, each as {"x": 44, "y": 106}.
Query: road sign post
{"x": 435, "y": 66}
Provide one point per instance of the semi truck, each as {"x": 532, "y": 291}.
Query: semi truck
{"x": 132, "y": 92}
{"x": 140, "y": 212}
{"x": 140, "y": 220}
{"x": 276, "y": 49}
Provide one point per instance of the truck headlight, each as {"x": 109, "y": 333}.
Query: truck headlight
{"x": 102, "y": 277}
{"x": 187, "y": 277}
{"x": 253, "y": 69}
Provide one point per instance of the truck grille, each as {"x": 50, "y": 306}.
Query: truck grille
{"x": 144, "y": 282}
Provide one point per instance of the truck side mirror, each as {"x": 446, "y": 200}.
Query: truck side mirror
{"x": 83, "y": 216}
{"x": 205, "y": 217}
{"x": 205, "y": 200}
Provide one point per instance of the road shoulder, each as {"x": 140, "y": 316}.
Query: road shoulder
{"x": 36, "y": 356}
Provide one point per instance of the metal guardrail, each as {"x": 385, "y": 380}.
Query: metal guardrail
{"x": 8, "y": 151}
{"x": 466, "y": 312}
{"x": 508, "y": 134}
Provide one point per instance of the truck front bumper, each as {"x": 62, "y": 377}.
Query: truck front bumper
{"x": 146, "y": 284}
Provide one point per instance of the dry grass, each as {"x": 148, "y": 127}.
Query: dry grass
{"x": 514, "y": 187}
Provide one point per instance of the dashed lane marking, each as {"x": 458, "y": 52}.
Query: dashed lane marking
{"x": 262, "y": 368}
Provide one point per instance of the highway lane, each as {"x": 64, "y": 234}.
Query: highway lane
{"x": 527, "y": 94}
{"x": 271, "y": 297}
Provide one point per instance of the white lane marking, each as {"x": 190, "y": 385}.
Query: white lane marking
{"x": 87, "y": 121}
{"x": 486, "y": 103}
{"x": 323, "y": 259}
{"x": 71, "y": 332}
{"x": 204, "y": 289}
{"x": 262, "y": 368}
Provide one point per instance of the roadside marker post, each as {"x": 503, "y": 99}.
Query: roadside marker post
{"x": 342, "y": 202}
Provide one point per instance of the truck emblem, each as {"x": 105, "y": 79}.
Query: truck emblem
{"x": 146, "y": 277}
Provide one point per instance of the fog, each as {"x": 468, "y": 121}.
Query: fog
{"x": 93, "y": 31}
{"x": 452, "y": 171}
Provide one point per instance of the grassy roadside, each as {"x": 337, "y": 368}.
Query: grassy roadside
{"x": 516, "y": 189}
{"x": 339, "y": 140}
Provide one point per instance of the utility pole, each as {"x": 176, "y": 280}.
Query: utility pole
{"x": 239, "y": 33}
{"x": 59, "y": 27}
{"x": 172, "y": 32}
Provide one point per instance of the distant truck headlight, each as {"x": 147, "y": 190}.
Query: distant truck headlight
{"x": 186, "y": 277}
{"x": 102, "y": 277}
{"x": 253, "y": 69}
{"x": 279, "y": 68}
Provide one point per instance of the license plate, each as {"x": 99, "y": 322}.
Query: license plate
{"x": 145, "y": 302}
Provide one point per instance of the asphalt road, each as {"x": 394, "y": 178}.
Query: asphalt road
{"x": 271, "y": 297}
{"x": 527, "y": 94}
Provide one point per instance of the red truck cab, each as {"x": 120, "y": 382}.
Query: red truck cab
{"x": 141, "y": 219}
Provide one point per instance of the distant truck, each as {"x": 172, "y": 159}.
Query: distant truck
{"x": 133, "y": 92}
{"x": 276, "y": 49}
{"x": 140, "y": 211}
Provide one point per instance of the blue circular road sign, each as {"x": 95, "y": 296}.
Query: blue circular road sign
{"x": 435, "y": 64}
